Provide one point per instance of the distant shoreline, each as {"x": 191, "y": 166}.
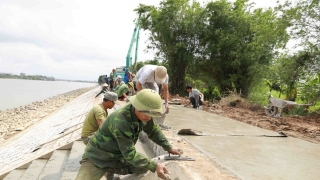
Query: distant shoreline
{"x": 45, "y": 79}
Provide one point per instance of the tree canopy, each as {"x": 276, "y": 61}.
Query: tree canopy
{"x": 223, "y": 46}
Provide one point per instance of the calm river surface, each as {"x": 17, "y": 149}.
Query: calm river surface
{"x": 18, "y": 92}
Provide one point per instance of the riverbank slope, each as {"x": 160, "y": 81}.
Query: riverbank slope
{"x": 13, "y": 121}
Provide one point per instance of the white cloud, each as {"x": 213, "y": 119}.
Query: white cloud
{"x": 73, "y": 39}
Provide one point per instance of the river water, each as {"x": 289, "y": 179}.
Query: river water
{"x": 20, "y": 92}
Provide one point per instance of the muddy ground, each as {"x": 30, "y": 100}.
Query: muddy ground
{"x": 302, "y": 127}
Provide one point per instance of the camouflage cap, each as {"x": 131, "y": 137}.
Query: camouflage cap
{"x": 111, "y": 96}
{"x": 147, "y": 100}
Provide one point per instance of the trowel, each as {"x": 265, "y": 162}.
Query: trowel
{"x": 174, "y": 157}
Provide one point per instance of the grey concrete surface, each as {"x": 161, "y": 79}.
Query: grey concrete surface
{"x": 34, "y": 170}
{"x": 176, "y": 173}
{"x": 15, "y": 174}
{"x": 53, "y": 169}
{"x": 248, "y": 157}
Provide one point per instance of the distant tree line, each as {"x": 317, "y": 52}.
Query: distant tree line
{"x": 30, "y": 77}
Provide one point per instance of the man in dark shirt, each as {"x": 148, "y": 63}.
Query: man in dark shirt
{"x": 106, "y": 79}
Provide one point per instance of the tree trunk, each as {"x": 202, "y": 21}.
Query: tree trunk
{"x": 177, "y": 69}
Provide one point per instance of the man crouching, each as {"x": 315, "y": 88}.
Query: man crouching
{"x": 112, "y": 148}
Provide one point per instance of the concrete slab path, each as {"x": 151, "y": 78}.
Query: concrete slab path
{"x": 249, "y": 156}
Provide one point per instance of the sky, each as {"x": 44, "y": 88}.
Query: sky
{"x": 73, "y": 39}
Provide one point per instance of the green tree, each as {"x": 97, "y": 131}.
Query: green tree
{"x": 173, "y": 34}
{"x": 297, "y": 71}
{"x": 309, "y": 89}
{"x": 304, "y": 18}
{"x": 141, "y": 64}
{"x": 290, "y": 70}
{"x": 101, "y": 79}
{"x": 238, "y": 42}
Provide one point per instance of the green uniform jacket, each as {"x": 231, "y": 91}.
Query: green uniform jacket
{"x": 112, "y": 76}
{"x": 120, "y": 89}
{"x": 116, "y": 138}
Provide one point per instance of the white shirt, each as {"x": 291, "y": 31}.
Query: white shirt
{"x": 146, "y": 74}
{"x": 193, "y": 92}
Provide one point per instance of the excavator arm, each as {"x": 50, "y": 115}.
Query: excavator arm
{"x": 134, "y": 38}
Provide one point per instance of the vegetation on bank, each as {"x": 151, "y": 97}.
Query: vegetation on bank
{"x": 221, "y": 47}
{"x": 30, "y": 77}
{"x": 36, "y": 77}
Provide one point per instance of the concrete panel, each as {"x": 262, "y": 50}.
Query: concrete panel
{"x": 25, "y": 166}
{"x": 71, "y": 176}
{"x": 55, "y": 166}
{"x": 66, "y": 147}
{"x": 248, "y": 157}
{"x": 34, "y": 170}
{"x": 15, "y": 174}
{"x": 73, "y": 163}
{"x": 46, "y": 156}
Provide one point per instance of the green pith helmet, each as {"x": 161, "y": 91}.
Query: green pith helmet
{"x": 147, "y": 100}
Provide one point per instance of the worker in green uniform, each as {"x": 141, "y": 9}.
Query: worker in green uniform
{"x": 103, "y": 90}
{"x": 112, "y": 148}
{"x": 111, "y": 78}
{"x": 97, "y": 115}
{"x": 122, "y": 91}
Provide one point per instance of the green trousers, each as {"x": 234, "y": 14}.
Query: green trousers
{"x": 88, "y": 170}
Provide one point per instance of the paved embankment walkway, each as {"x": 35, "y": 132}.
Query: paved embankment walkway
{"x": 249, "y": 156}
